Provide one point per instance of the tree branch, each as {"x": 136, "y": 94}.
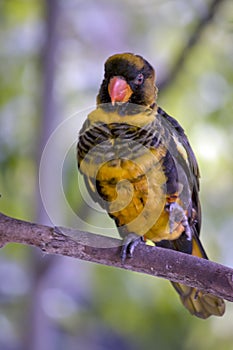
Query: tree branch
{"x": 175, "y": 266}
{"x": 202, "y": 23}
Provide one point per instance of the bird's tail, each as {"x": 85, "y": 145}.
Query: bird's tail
{"x": 197, "y": 302}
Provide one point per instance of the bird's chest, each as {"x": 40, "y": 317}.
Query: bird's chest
{"x": 126, "y": 169}
{"x": 133, "y": 189}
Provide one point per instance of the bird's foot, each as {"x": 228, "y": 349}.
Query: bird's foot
{"x": 178, "y": 215}
{"x": 130, "y": 242}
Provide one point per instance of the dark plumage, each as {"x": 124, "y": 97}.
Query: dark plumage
{"x": 138, "y": 164}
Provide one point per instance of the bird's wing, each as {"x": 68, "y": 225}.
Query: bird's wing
{"x": 190, "y": 165}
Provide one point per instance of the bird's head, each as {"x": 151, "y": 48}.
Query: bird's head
{"x": 128, "y": 78}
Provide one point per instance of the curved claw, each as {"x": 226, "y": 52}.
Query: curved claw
{"x": 130, "y": 242}
{"x": 177, "y": 214}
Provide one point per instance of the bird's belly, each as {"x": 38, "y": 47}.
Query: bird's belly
{"x": 135, "y": 195}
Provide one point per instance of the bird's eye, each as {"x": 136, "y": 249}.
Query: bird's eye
{"x": 139, "y": 79}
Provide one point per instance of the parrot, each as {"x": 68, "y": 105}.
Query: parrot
{"x": 137, "y": 164}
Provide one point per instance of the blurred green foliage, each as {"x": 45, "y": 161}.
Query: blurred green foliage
{"x": 76, "y": 305}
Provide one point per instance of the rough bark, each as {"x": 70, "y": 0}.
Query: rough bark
{"x": 175, "y": 266}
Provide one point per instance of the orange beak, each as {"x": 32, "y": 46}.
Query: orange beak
{"x": 119, "y": 90}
